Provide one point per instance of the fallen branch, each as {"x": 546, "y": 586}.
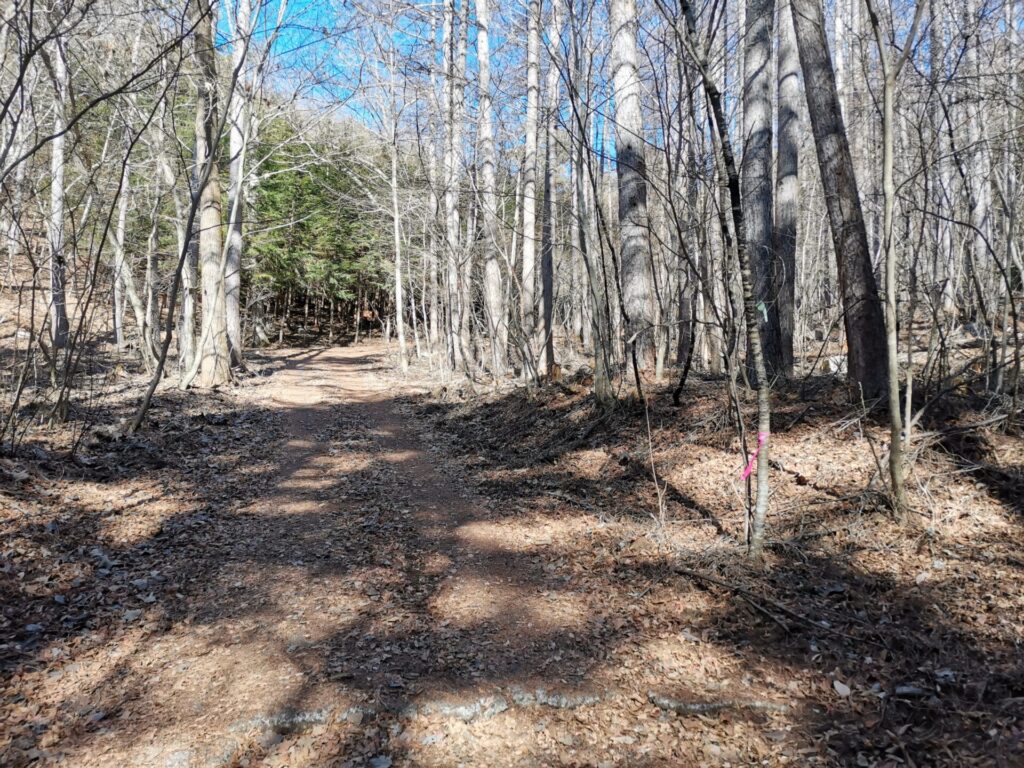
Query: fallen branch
{"x": 750, "y": 596}
{"x": 711, "y": 707}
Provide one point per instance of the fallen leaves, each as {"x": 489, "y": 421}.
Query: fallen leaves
{"x": 222, "y": 560}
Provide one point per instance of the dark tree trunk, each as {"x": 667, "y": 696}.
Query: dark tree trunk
{"x": 862, "y": 316}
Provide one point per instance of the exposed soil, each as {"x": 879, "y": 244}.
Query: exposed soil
{"x": 315, "y": 569}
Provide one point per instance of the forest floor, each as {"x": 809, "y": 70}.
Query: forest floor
{"x": 318, "y": 568}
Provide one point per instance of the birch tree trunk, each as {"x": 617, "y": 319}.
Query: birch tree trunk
{"x": 57, "y": 233}
{"x": 494, "y": 306}
{"x": 527, "y": 295}
{"x": 547, "y": 268}
{"x": 238, "y": 122}
{"x": 396, "y": 222}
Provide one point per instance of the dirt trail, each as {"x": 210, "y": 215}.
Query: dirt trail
{"x": 314, "y": 569}
{"x": 365, "y": 594}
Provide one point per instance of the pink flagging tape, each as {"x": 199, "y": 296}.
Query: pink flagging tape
{"x": 762, "y": 438}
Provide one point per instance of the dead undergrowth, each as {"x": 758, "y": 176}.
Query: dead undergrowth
{"x": 898, "y": 643}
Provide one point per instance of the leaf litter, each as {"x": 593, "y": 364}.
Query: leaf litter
{"x": 311, "y": 569}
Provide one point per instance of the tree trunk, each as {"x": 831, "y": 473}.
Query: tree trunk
{"x": 454, "y": 98}
{"x": 890, "y": 73}
{"x": 632, "y": 181}
{"x": 214, "y": 362}
{"x": 396, "y": 221}
{"x": 189, "y": 270}
{"x": 891, "y": 326}
{"x": 119, "y": 265}
{"x": 527, "y": 295}
{"x": 787, "y": 186}
{"x": 238, "y": 121}
{"x": 977, "y": 156}
{"x": 944, "y": 255}
{"x": 403, "y": 362}
{"x": 757, "y": 172}
{"x": 755, "y": 541}
{"x": 494, "y": 306}
{"x": 432, "y": 292}
{"x": 547, "y": 268}
{"x": 57, "y": 234}
{"x": 862, "y": 317}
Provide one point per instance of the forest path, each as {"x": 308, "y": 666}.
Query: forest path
{"x": 317, "y": 568}
{"x": 364, "y": 607}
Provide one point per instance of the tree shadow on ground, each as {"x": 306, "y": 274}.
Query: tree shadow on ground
{"x": 337, "y": 593}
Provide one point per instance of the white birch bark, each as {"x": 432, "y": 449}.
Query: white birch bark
{"x": 527, "y": 293}
{"x": 494, "y": 306}
{"x": 551, "y": 98}
{"x": 57, "y": 232}
{"x": 238, "y": 137}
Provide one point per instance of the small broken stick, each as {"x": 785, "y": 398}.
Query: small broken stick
{"x": 711, "y": 707}
{"x": 751, "y": 598}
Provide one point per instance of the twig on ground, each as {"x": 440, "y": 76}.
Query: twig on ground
{"x": 743, "y": 592}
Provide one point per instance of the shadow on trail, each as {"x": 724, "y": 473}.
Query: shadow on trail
{"x": 375, "y": 587}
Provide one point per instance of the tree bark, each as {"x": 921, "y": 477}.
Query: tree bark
{"x": 527, "y": 295}
{"x": 755, "y": 542}
{"x": 494, "y": 306}
{"x": 547, "y": 267}
{"x": 862, "y": 316}
{"x": 238, "y": 122}
{"x": 57, "y": 232}
{"x": 757, "y": 172}
{"x": 787, "y": 185}
{"x": 890, "y": 73}
{"x": 396, "y": 220}
{"x": 631, "y": 168}
{"x": 214, "y": 362}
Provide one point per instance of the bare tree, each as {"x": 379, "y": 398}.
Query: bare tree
{"x": 787, "y": 184}
{"x": 634, "y": 243}
{"x": 890, "y": 74}
{"x": 527, "y": 292}
{"x": 497, "y": 320}
{"x": 58, "y": 234}
{"x": 547, "y": 268}
{"x": 757, "y": 171}
{"x": 238, "y": 126}
{"x": 213, "y": 362}
{"x": 862, "y": 312}
{"x": 755, "y": 541}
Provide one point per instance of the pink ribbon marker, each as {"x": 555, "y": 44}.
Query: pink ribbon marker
{"x": 762, "y": 438}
